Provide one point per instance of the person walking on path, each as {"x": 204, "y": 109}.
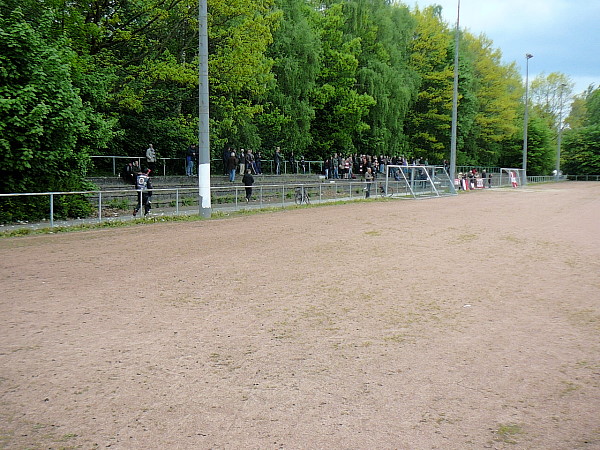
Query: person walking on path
{"x": 143, "y": 185}
{"x": 248, "y": 181}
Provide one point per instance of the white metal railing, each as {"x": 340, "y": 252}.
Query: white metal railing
{"x": 118, "y": 204}
{"x": 545, "y": 178}
{"x": 583, "y": 177}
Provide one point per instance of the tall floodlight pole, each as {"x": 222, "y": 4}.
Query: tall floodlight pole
{"x": 203, "y": 128}
{"x": 452, "y": 173}
{"x": 528, "y": 56}
{"x": 560, "y": 127}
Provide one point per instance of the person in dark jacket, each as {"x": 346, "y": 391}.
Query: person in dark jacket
{"x": 143, "y": 185}
{"x": 232, "y": 163}
{"x": 248, "y": 181}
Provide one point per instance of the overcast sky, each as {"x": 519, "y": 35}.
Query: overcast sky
{"x": 562, "y": 35}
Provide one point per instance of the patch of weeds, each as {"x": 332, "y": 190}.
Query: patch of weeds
{"x": 569, "y": 387}
{"x": 588, "y": 365}
{"x": 373, "y": 233}
{"x": 508, "y": 432}
{"x": 466, "y": 237}
{"x": 66, "y": 437}
{"x": 224, "y": 199}
{"x": 17, "y": 233}
{"x": 118, "y": 203}
{"x": 586, "y": 317}
{"x": 513, "y": 239}
{"x": 397, "y": 338}
{"x": 188, "y": 201}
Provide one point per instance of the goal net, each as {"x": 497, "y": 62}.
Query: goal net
{"x": 512, "y": 177}
{"x": 418, "y": 181}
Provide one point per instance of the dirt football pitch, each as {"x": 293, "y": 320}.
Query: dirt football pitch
{"x": 468, "y": 322}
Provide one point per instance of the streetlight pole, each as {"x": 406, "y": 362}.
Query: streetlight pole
{"x": 528, "y": 56}
{"x": 560, "y": 127}
{"x": 454, "y": 102}
{"x": 203, "y": 116}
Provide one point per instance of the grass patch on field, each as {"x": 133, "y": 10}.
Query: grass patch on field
{"x": 466, "y": 237}
{"x": 507, "y": 433}
{"x": 585, "y": 317}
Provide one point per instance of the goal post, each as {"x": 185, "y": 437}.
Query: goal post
{"x": 512, "y": 177}
{"x": 416, "y": 181}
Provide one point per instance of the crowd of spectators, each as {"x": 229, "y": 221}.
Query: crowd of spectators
{"x": 349, "y": 167}
{"x": 474, "y": 179}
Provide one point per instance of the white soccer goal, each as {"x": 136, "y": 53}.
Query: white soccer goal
{"x": 512, "y": 177}
{"x": 418, "y": 181}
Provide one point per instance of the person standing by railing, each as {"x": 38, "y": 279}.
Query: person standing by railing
{"x": 190, "y": 156}
{"x": 368, "y": 181}
{"x": 129, "y": 173}
{"x": 248, "y": 181}
{"x": 151, "y": 158}
{"x": 278, "y": 158}
{"x": 258, "y": 163}
{"x": 232, "y": 163}
{"x": 226, "y": 155}
{"x": 242, "y": 162}
{"x": 292, "y": 161}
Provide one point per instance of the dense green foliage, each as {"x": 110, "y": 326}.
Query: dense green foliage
{"x": 581, "y": 146}
{"x": 314, "y": 77}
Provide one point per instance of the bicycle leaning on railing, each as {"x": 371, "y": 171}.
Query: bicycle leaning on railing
{"x": 302, "y": 196}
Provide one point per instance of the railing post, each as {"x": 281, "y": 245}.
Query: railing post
{"x": 177, "y": 201}
{"x": 51, "y": 210}
{"x": 100, "y": 206}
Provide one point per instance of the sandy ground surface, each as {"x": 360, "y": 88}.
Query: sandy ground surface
{"x": 458, "y": 323}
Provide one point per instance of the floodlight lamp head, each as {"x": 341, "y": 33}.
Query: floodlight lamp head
{"x": 528, "y": 55}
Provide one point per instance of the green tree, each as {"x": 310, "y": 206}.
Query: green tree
{"x": 429, "y": 121}
{"x": 577, "y": 112}
{"x": 496, "y": 88}
{"x": 296, "y": 51}
{"x": 340, "y": 110}
{"x": 540, "y": 148}
{"x": 41, "y": 116}
{"x": 240, "y": 32}
{"x": 581, "y": 151}
{"x": 385, "y": 31}
{"x": 581, "y": 146}
{"x": 549, "y": 97}
{"x": 593, "y": 107}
